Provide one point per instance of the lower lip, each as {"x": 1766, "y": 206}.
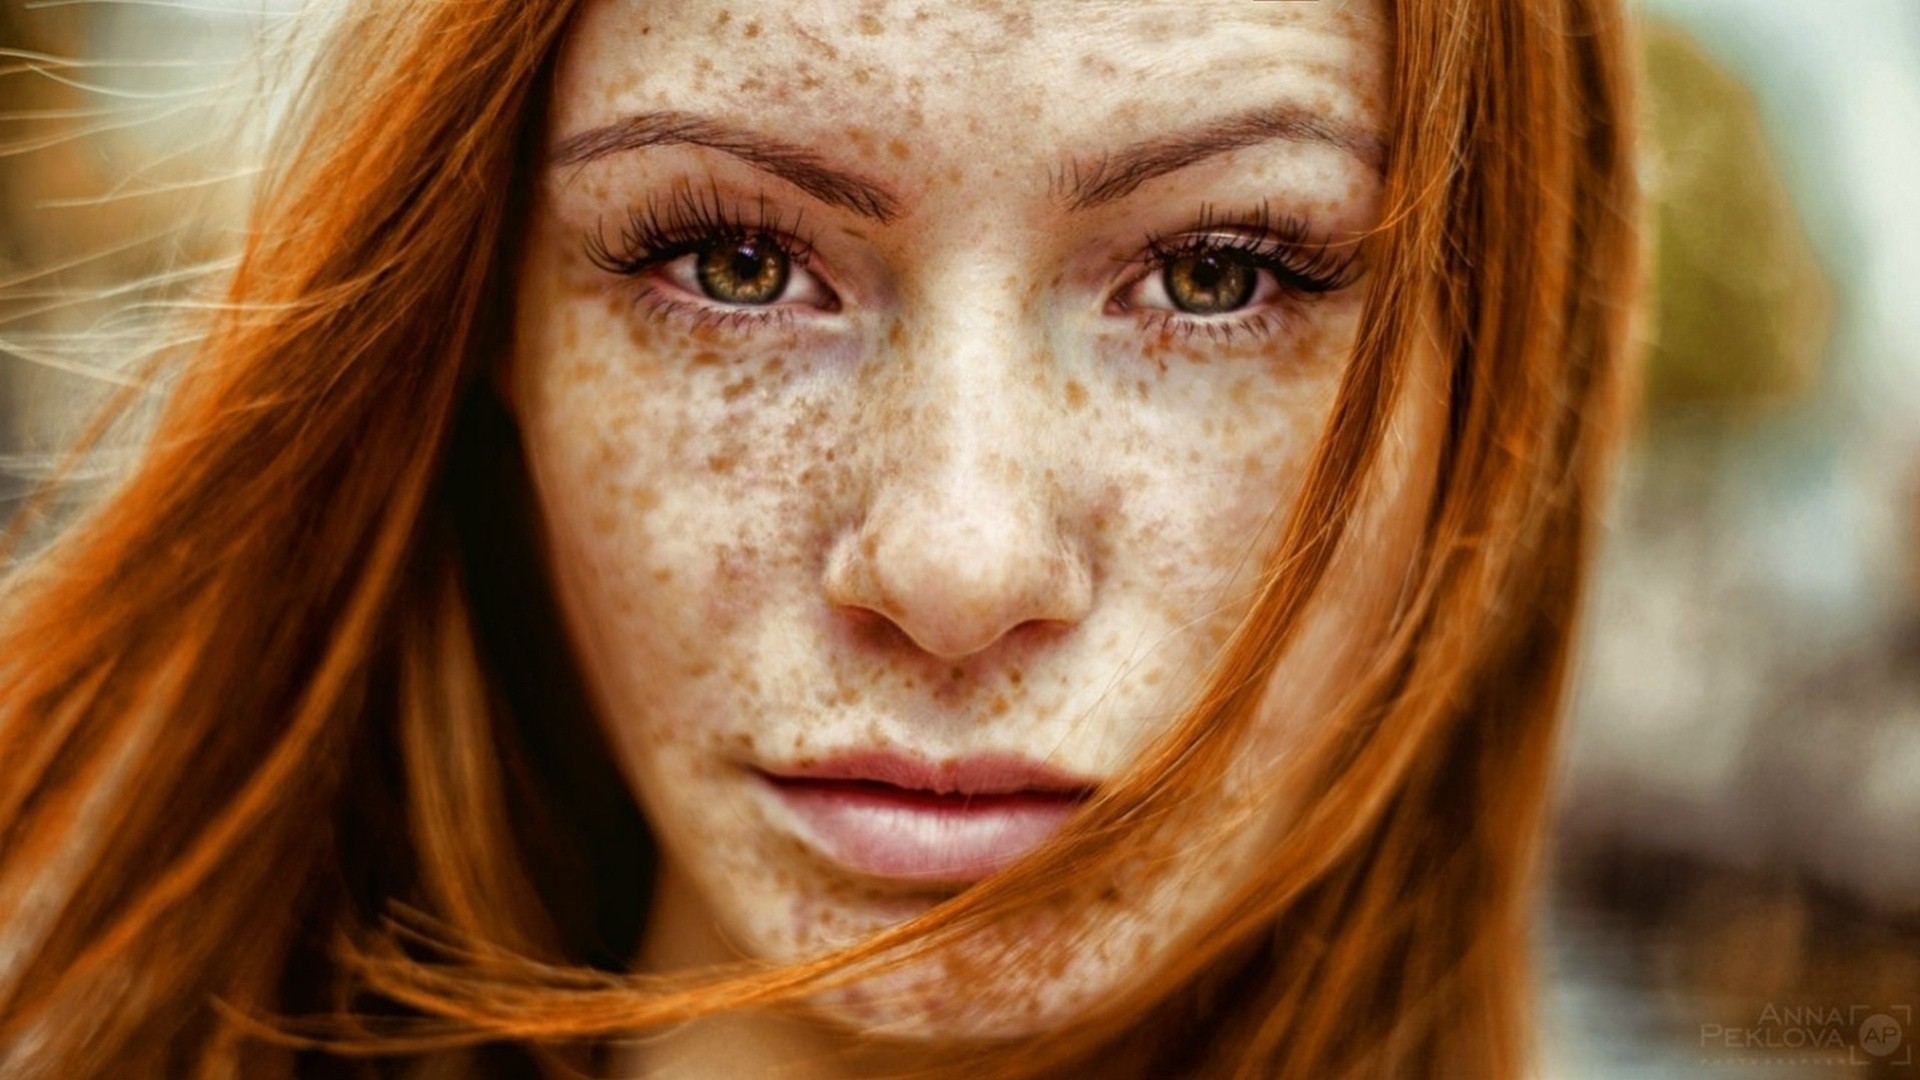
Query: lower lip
{"x": 894, "y": 832}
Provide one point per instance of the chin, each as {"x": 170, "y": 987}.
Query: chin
{"x": 990, "y": 988}
{"x": 941, "y": 1002}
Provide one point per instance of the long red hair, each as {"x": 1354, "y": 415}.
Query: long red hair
{"x": 287, "y": 729}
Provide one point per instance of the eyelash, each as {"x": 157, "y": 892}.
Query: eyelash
{"x": 688, "y": 222}
{"x": 1302, "y": 266}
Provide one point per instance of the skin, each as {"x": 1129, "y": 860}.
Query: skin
{"x": 976, "y": 490}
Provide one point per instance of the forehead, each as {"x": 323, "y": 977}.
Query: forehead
{"x": 962, "y": 76}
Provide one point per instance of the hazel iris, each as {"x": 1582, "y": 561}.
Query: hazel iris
{"x": 749, "y": 271}
{"x": 1207, "y": 284}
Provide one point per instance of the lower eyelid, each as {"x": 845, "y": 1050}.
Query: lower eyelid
{"x": 1225, "y": 330}
{"x": 698, "y": 313}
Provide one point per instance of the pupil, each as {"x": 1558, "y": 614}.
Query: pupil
{"x": 1208, "y": 284}
{"x": 744, "y": 272}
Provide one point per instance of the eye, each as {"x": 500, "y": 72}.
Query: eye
{"x": 1222, "y": 278}
{"x": 744, "y": 271}
{"x": 1209, "y": 283}
{"x": 697, "y": 256}
{"x": 750, "y": 271}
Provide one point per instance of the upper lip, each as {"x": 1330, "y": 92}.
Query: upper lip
{"x": 978, "y": 774}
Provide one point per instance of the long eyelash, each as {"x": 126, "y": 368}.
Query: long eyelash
{"x": 687, "y": 220}
{"x": 1301, "y": 263}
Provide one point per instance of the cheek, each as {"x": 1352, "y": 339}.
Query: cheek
{"x": 1218, "y": 449}
{"x": 1351, "y": 615}
{"x": 686, "y": 487}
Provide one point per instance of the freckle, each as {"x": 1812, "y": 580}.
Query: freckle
{"x": 587, "y": 370}
{"x": 722, "y": 19}
{"x": 662, "y": 575}
{"x": 870, "y": 26}
{"x": 752, "y": 29}
{"x": 645, "y": 499}
{"x": 1000, "y": 706}
{"x": 898, "y": 149}
{"x": 1076, "y": 395}
{"x": 737, "y": 389}
{"x": 1015, "y": 676}
{"x": 639, "y": 337}
{"x": 706, "y": 356}
{"x": 723, "y": 462}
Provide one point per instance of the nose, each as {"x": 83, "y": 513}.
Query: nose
{"x": 958, "y": 565}
{"x": 968, "y": 535}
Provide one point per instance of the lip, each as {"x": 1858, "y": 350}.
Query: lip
{"x": 890, "y": 815}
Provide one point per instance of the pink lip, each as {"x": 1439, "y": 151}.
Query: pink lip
{"x": 893, "y": 816}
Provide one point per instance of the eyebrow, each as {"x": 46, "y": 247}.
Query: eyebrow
{"x": 1114, "y": 176}
{"x": 1118, "y": 174}
{"x": 789, "y": 161}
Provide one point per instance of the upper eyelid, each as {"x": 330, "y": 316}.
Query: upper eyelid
{"x": 705, "y": 213}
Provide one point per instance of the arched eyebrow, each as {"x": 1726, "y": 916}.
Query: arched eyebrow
{"x": 791, "y": 162}
{"x": 1077, "y": 186}
{"x": 1118, "y": 174}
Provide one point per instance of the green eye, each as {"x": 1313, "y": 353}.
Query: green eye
{"x": 1210, "y": 283}
{"x": 749, "y": 271}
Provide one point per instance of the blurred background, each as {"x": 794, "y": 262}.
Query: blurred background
{"x": 1736, "y": 868}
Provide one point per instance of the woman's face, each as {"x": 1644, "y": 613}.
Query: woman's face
{"x": 911, "y": 390}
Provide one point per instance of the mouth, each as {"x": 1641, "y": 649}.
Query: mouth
{"x": 887, "y": 815}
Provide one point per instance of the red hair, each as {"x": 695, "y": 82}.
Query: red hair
{"x": 292, "y": 671}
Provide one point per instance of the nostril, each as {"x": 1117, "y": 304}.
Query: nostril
{"x": 868, "y": 626}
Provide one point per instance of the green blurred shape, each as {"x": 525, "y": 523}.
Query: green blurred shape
{"x": 1741, "y": 307}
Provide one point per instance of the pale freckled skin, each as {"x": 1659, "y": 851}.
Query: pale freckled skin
{"x": 976, "y": 506}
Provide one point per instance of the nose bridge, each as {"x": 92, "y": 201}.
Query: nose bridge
{"x": 961, "y": 541}
{"x": 968, "y": 361}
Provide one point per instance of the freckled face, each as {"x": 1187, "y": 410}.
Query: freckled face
{"x": 925, "y": 379}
